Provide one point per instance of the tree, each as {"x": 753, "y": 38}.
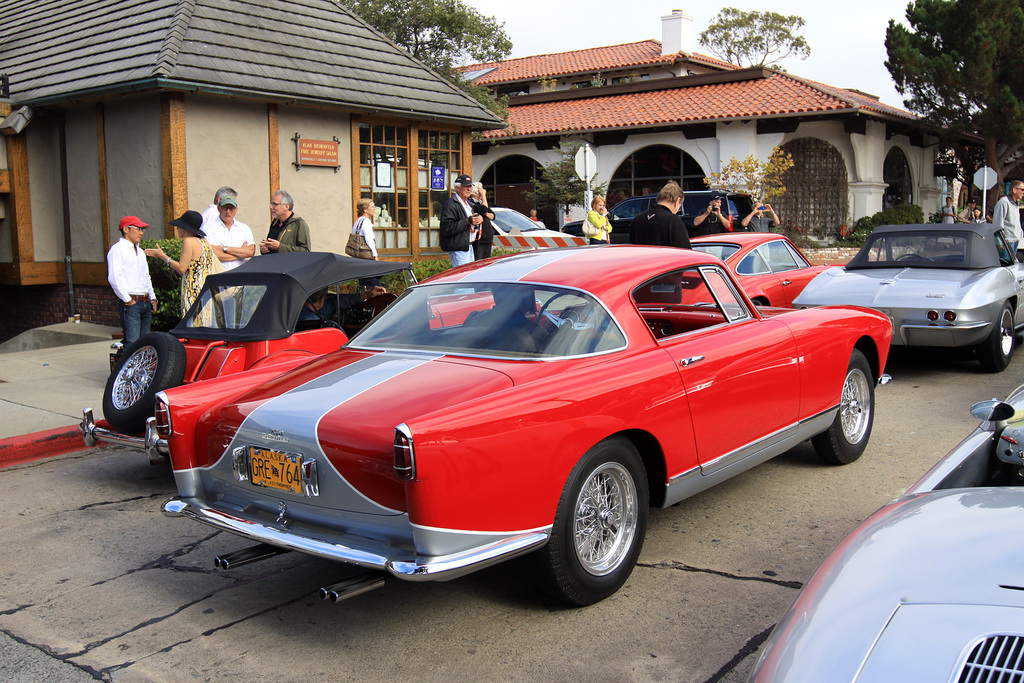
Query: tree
{"x": 762, "y": 179}
{"x": 959, "y": 66}
{"x": 559, "y": 187}
{"x": 750, "y": 38}
{"x": 443, "y": 34}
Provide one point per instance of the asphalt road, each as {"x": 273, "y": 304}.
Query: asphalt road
{"x": 97, "y": 584}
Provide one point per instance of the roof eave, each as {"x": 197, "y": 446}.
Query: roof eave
{"x": 161, "y": 83}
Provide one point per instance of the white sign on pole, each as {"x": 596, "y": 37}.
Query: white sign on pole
{"x": 586, "y": 169}
{"x": 985, "y": 178}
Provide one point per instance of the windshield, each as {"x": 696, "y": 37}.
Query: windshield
{"x": 507, "y": 219}
{"x": 935, "y": 249}
{"x": 495, "y": 319}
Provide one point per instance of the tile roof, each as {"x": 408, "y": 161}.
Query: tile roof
{"x": 624, "y": 56}
{"x": 292, "y": 50}
{"x": 778, "y": 94}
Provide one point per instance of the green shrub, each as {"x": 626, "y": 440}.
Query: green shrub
{"x": 902, "y": 214}
{"x": 166, "y": 284}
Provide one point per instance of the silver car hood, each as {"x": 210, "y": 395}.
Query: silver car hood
{"x": 890, "y": 287}
{"x": 909, "y": 593}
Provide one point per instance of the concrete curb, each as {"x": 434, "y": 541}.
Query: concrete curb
{"x": 19, "y": 450}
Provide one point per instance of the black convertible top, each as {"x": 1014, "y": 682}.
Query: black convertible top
{"x": 262, "y": 298}
{"x": 971, "y": 246}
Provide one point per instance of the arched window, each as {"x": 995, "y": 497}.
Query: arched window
{"x": 646, "y": 170}
{"x": 509, "y": 182}
{"x": 817, "y": 188}
{"x": 896, "y": 172}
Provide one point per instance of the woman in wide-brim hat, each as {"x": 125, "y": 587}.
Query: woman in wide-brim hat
{"x": 197, "y": 259}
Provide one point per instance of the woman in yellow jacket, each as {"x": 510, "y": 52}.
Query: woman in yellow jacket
{"x": 597, "y": 227}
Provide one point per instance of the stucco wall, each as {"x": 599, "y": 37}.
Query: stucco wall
{"x": 84, "y": 185}
{"x": 44, "y": 179}
{"x": 134, "y": 167}
{"x": 322, "y": 197}
{"x": 226, "y": 144}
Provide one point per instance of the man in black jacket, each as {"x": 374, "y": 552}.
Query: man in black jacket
{"x": 459, "y": 224}
{"x": 660, "y": 225}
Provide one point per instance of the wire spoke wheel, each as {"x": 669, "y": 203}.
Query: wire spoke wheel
{"x": 134, "y": 377}
{"x": 605, "y": 520}
{"x": 855, "y": 407}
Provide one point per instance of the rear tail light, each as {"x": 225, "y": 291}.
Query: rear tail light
{"x": 950, "y": 316}
{"x": 163, "y": 416}
{"x": 933, "y": 315}
{"x": 405, "y": 454}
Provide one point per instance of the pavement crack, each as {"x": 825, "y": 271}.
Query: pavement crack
{"x": 15, "y": 610}
{"x": 748, "y": 648}
{"x": 687, "y": 568}
{"x": 152, "y": 496}
{"x": 166, "y": 561}
{"x": 59, "y": 657}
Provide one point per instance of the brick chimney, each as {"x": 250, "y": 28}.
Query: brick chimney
{"x": 677, "y": 33}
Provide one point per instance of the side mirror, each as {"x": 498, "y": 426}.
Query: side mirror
{"x": 992, "y": 411}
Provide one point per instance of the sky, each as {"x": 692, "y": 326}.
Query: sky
{"x": 847, "y": 40}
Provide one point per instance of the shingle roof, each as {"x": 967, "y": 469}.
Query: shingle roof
{"x": 774, "y": 95}
{"x": 590, "y": 60}
{"x": 293, "y": 50}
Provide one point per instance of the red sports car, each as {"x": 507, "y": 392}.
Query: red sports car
{"x": 769, "y": 268}
{"x": 537, "y": 403}
{"x": 250, "y": 317}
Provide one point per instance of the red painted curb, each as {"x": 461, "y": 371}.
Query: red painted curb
{"x": 18, "y": 450}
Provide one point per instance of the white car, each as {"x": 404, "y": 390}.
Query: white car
{"x": 513, "y": 230}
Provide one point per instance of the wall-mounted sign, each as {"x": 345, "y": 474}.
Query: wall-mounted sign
{"x": 438, "y": 175}
{"x": 316, "y": 152}
{"x": 382, "y": 176}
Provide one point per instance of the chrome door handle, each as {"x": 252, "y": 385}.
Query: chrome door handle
{"x": 690, "y": 361}
{"x": 787, "y": 282}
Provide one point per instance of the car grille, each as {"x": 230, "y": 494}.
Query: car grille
{"x": 997, "y": 658}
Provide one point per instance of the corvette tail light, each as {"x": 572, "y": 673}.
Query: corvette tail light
{"x": 933, "y": 315}
{"x": 405, "y": 454}
{"x": 950, "y": 316}
{"x": 163, "y": 417}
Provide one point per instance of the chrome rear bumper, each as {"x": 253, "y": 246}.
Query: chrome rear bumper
{"x": 363, "y": 552}
{"x": 152, "y": 443}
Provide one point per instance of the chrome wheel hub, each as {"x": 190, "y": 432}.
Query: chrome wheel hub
{"x": 134, "y": 378}
{"x": 605, "y": 519}
{"x": 854, "y": 407}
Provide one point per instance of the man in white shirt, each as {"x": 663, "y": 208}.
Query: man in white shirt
{"x": 211, "y": 210}
{"x": 128, "y": 275}
{"x": 231, "y": 240}
{"x": 1006, "y": 215}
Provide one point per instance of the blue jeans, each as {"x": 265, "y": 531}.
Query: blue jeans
{"x": 134, "y": 319}
{"x": 461, "y": 258}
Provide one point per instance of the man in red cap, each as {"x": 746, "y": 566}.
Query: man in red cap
{"x": 128, "y": 275}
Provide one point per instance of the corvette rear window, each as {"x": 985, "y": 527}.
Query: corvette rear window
{"x": 495, "y": 319}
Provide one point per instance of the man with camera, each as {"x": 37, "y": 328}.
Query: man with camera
{"x": 762, "y": 219}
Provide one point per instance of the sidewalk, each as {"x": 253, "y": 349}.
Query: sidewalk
{"x": 43, "y": 392}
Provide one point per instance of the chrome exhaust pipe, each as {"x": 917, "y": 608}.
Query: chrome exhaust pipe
{"x": 349, "y": 588}
{"x": 247, "y": 556}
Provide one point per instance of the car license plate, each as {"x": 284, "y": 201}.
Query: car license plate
{"x": 275, "y": 469}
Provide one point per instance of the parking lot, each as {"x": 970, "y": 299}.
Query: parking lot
{"x": 98, "y": 584}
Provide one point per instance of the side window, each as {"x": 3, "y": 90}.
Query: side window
{"x": 752, "y": 264}
{"x": 780, "y": 258}
{"x": 688, "y": 300}
{"x": 627, "y": 209}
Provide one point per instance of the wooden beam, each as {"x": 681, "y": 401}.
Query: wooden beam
{"x": 172, "y": 151}
{"x": 273, "y": 140}
{"x": 89, "y": 273}
{"x": 5, "y": 181}
{"x": 49, "y": 273}
{"x": 101, "y": 154}
{"x": 19, "y": 203}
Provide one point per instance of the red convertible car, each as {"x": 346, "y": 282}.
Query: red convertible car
{"x": 769, "y": 268}
{"x": 537, "y": 403}
{"x": 250, "y": 317}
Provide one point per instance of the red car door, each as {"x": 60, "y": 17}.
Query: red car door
{"x": 741, "y": 372}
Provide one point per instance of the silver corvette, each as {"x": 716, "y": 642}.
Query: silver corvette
{"x": 940, "y": 285}
{"x": 930, "y": 587}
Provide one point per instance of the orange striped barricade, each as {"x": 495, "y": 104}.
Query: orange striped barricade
{"x": 527, "y": 241}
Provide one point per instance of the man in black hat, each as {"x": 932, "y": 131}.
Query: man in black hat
{"x": 712, "y": 222}
{"x": 967, "y": 215}
{"x": 459, "y": 225}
